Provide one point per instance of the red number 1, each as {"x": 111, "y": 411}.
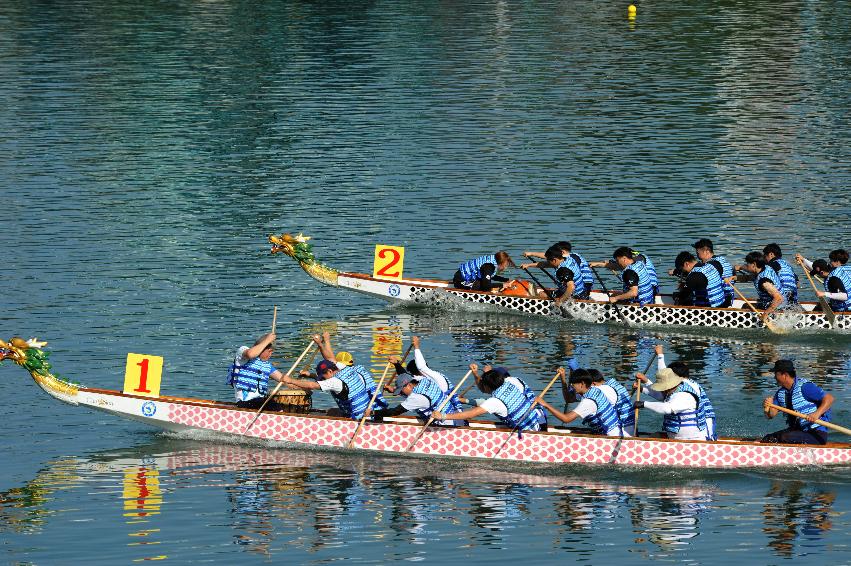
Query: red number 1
{"x": 396, "y": 257}
{"x": 143, "y": 378}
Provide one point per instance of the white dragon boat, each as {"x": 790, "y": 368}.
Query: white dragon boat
{"x": 597, "y": 309}
{"x": 479, "y": 441}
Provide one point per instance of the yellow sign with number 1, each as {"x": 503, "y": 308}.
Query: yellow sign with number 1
{"x": 388, "y": 262}
{"x": 143, "y": 375}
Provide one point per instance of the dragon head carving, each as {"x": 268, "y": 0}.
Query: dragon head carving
{"x": 294, "y": 246}
{"x": 16, "y": 349}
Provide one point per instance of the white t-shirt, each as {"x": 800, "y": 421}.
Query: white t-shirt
{"x": 331, "y": 385}
{"x": 679, "y": 402}
{"x": 587, "y": 407}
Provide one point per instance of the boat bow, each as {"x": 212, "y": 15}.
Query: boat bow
{"x": 29, "y": 355}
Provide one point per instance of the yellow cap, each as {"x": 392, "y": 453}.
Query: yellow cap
{"x": 345, "y": 358}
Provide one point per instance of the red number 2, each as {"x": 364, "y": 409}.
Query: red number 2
{"x": 143, "y": 378}
{"x": 382, "y": 254}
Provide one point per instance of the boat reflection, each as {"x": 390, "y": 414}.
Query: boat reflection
{"x": 795, "y": 510}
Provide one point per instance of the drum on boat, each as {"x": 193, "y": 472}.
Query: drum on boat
{"x": 294, "y": 401}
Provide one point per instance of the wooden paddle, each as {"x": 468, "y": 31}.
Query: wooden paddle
{"x": 526, "y": 414}
{"x": 768, "y": 324}
{"x": 439, "y": 410}
{"x": 280, "y": 383}
{"x": 535, "y": 279}
{"x": 378, "y": 389}
{"x": 818, "y": 421}
{"x": 275, "y": 319}
{"x": 825, "y": 307}
{"x": 638, "y": 392}
{"x": 606, "y": 291}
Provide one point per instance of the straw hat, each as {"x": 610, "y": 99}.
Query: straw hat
{"x": 666, "y": 379}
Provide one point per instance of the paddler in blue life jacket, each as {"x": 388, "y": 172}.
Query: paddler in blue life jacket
{"x": 800, "y": 395}
{"x": 567, "y": 274}
{"x": 837, "y": 279}
{"x": 705, "y": 252}
{"x": 766, "y": 282}
{"x": 682, "y": 405}
{"x": 422, "y": 395}
{"x": 639, "y": 286}
{"x": 480, "y": 274}
{"x": 578, "y": 269}
{"x": 507, "y": 401}
{"x": 597, "y": 407}
{"x": 351, "y": 386}
{"x": 702, "y": 285}
{"x": 788, "y": 278}
{"x": 250, "y": 373}
{"x": 622, "y": 400}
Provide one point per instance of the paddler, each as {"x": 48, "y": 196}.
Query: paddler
{"x": 351, "y": 386}
{"x": 788, "y": 278}
{"x": 250, "y": 372}
{"x": 568, "y": 274}
{"x": 800, "y": 395}
{"x": 681, "y": 404}
{"x": 622, "y": 400}
{"x": 507, "y": 402}
{"x": 837, "y": 279}
{"x": 597, "y": 407}
{"x": 767, "y": 284}
{"x": 639, "y": 286}
{"x": 579, "y": 271}
{"x": 702, "y": 286}
{"x": 705, "y": 252}
{"x": 480, "y": 274}
{"x": 423, "y": 395}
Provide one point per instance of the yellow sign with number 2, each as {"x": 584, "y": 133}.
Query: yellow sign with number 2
{"x": 388, "y": 262}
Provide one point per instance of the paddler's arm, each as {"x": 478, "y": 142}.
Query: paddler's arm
{"x": 770, "y": 412}
{"x": 815, "y": 394}
{"x": 300, "y": 383}
{"x": 776, "y": 299}
{"x": 324, "y": 343}
{"x": 563, "y": 417}
{"x": 462, "y": 416}
{"x": 631, "y": 294}
{"x": 382, "y": 413}
{"x": 538, "y": 255}
{"x": 607, "y": 264}
{"x": 258, "y": 348}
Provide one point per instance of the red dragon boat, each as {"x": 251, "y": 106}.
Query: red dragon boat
{"x": 479, "y": 441}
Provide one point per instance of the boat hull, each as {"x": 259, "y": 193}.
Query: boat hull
{"x": 480, "y": 441}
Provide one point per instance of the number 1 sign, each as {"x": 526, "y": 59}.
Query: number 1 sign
{"x": 143, "y": 375}
{"x": 388, "y": 262}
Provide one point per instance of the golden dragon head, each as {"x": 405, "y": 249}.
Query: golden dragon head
{"x": 294, "y": 246}
{"x": 16, "y": 349}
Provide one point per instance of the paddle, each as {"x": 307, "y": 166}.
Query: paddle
{"x": 439, "y": 410}
{"x": 535, "y": 279}
{"x": 553, "y": 279}
{"x": 606, "y": 291}
{"x": 378, "y": 388}
{"x": 825, "y": 307}
{"x": 768, "y": 324}
{"x": 526, "y": 414}
{"x": 280, "y": 383}
{"x": 638, "y": 392}
{"x": 818, "y": 421}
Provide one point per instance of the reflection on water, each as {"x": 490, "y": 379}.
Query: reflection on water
{"x": 311, "y": 503}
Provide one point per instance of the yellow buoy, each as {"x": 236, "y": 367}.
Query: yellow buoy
{"x": 631, "y": 10}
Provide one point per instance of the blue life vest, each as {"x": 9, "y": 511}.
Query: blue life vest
{"x": 455, "y": 405}
{"x": 432, "y": 391}
{"x": 578, "y": 281}
{"x": 606, "y": 418}
{"x": 252, "y": 376}
{"x": 539, "y": 411}
{"x": 651, "y": 271}
{"x": 587, "y": 274}
{"x": 788, "y": 279}
{"x": 800, "y": 404}
{"x": 471, "y": 270}
{"x": 518, "y": 408}
{"x": 764, "y": 297}
{"x": 726, "y": 273}
{"x": 646, "y": 290}
{"x": 713, "y": 295}
{"x": 708, "y": 409}
{"x": 843, "y": 273}
{"x": 693, "y": 418}
{"x": 360, "y": 387}
{"x": 623, "y": 407}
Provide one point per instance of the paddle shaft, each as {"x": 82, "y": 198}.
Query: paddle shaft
{"x": 439, "y": 410}
{"x": 374, "y": 396}
{"x": 767, "y": 322}
{"x": 527, "y": 413}
{"x": 638, "y": 392}
{"x": 825, "y": 307}
{"x": 817, "y": 421}
{"x": 535, "y": 279}
{"x": 606, "y": 291}
{"x": 280, "y": 383}
{"x": 275, "y": 319}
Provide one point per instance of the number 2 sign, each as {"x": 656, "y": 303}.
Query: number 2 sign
{"x": 143, "y": 375}
{"x": 388, "y": 262}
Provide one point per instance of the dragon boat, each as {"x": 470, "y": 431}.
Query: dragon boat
{"x": 519, "y": 298}
{"x": 481, "y": 440}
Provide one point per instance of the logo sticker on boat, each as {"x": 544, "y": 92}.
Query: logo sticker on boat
{"x": 394, "y": 290}
{"x": 149, "y": 408}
